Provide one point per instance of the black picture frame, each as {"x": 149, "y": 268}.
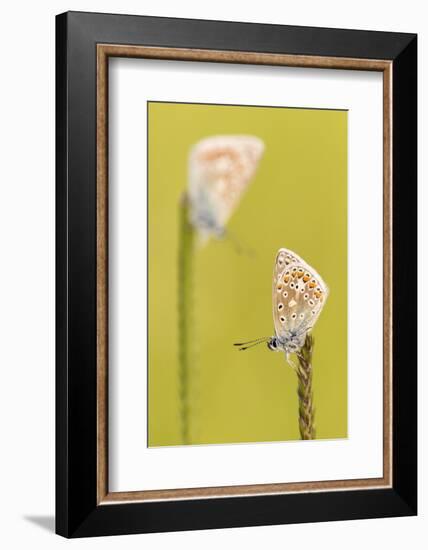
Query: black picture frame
{"x": 78, "y": 513}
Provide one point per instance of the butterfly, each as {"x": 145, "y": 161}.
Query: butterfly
{"x": 298, "y": 297}
{"x": 220, "y": 169}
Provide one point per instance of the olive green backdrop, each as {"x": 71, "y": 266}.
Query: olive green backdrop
{"x": 297, "y": 200}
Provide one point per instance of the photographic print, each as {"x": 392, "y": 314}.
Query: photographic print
{"x": 247, "y": 235}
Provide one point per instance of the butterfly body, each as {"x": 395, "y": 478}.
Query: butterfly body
{"x": 290, "y": 343}
{"x": 203, "y": 217}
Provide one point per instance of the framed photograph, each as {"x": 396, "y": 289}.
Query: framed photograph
{"x": 236, "y": 274}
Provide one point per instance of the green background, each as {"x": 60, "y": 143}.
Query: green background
{"x": 297, "y": 200}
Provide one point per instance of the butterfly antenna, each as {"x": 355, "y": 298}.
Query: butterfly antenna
{"x": 251, "y": 345}
{"x": 252, "y": 341}
{"x": 245, "y": 345}
{"x": 237, "y": 246}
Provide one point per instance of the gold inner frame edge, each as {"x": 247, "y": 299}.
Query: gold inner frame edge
{"x": 104, "y": 52}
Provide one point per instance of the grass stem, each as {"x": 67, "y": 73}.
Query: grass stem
{"x": 185, "y": 316}
{"x": 304, "y": 390}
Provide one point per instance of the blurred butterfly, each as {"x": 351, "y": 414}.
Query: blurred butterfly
{"x": 220, "y": 169}
{"x": 298, "y": 297}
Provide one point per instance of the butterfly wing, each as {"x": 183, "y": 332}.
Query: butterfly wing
{"x": 220, "y": 169}
{"x": 298, "y": 295}
{"x": 284, "y": 258}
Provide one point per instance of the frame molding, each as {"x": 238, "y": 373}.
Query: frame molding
{"x": 85, "y": 41}
{"x": 106, "y": 51}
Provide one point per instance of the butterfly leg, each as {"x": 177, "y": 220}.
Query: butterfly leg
{"x": 295, "y": 366}
{"x": 290, "y": 362}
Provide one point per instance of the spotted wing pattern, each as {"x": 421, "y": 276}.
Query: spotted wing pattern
{"x": 298, "y": 295}
{"x": 220, "y": 169}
